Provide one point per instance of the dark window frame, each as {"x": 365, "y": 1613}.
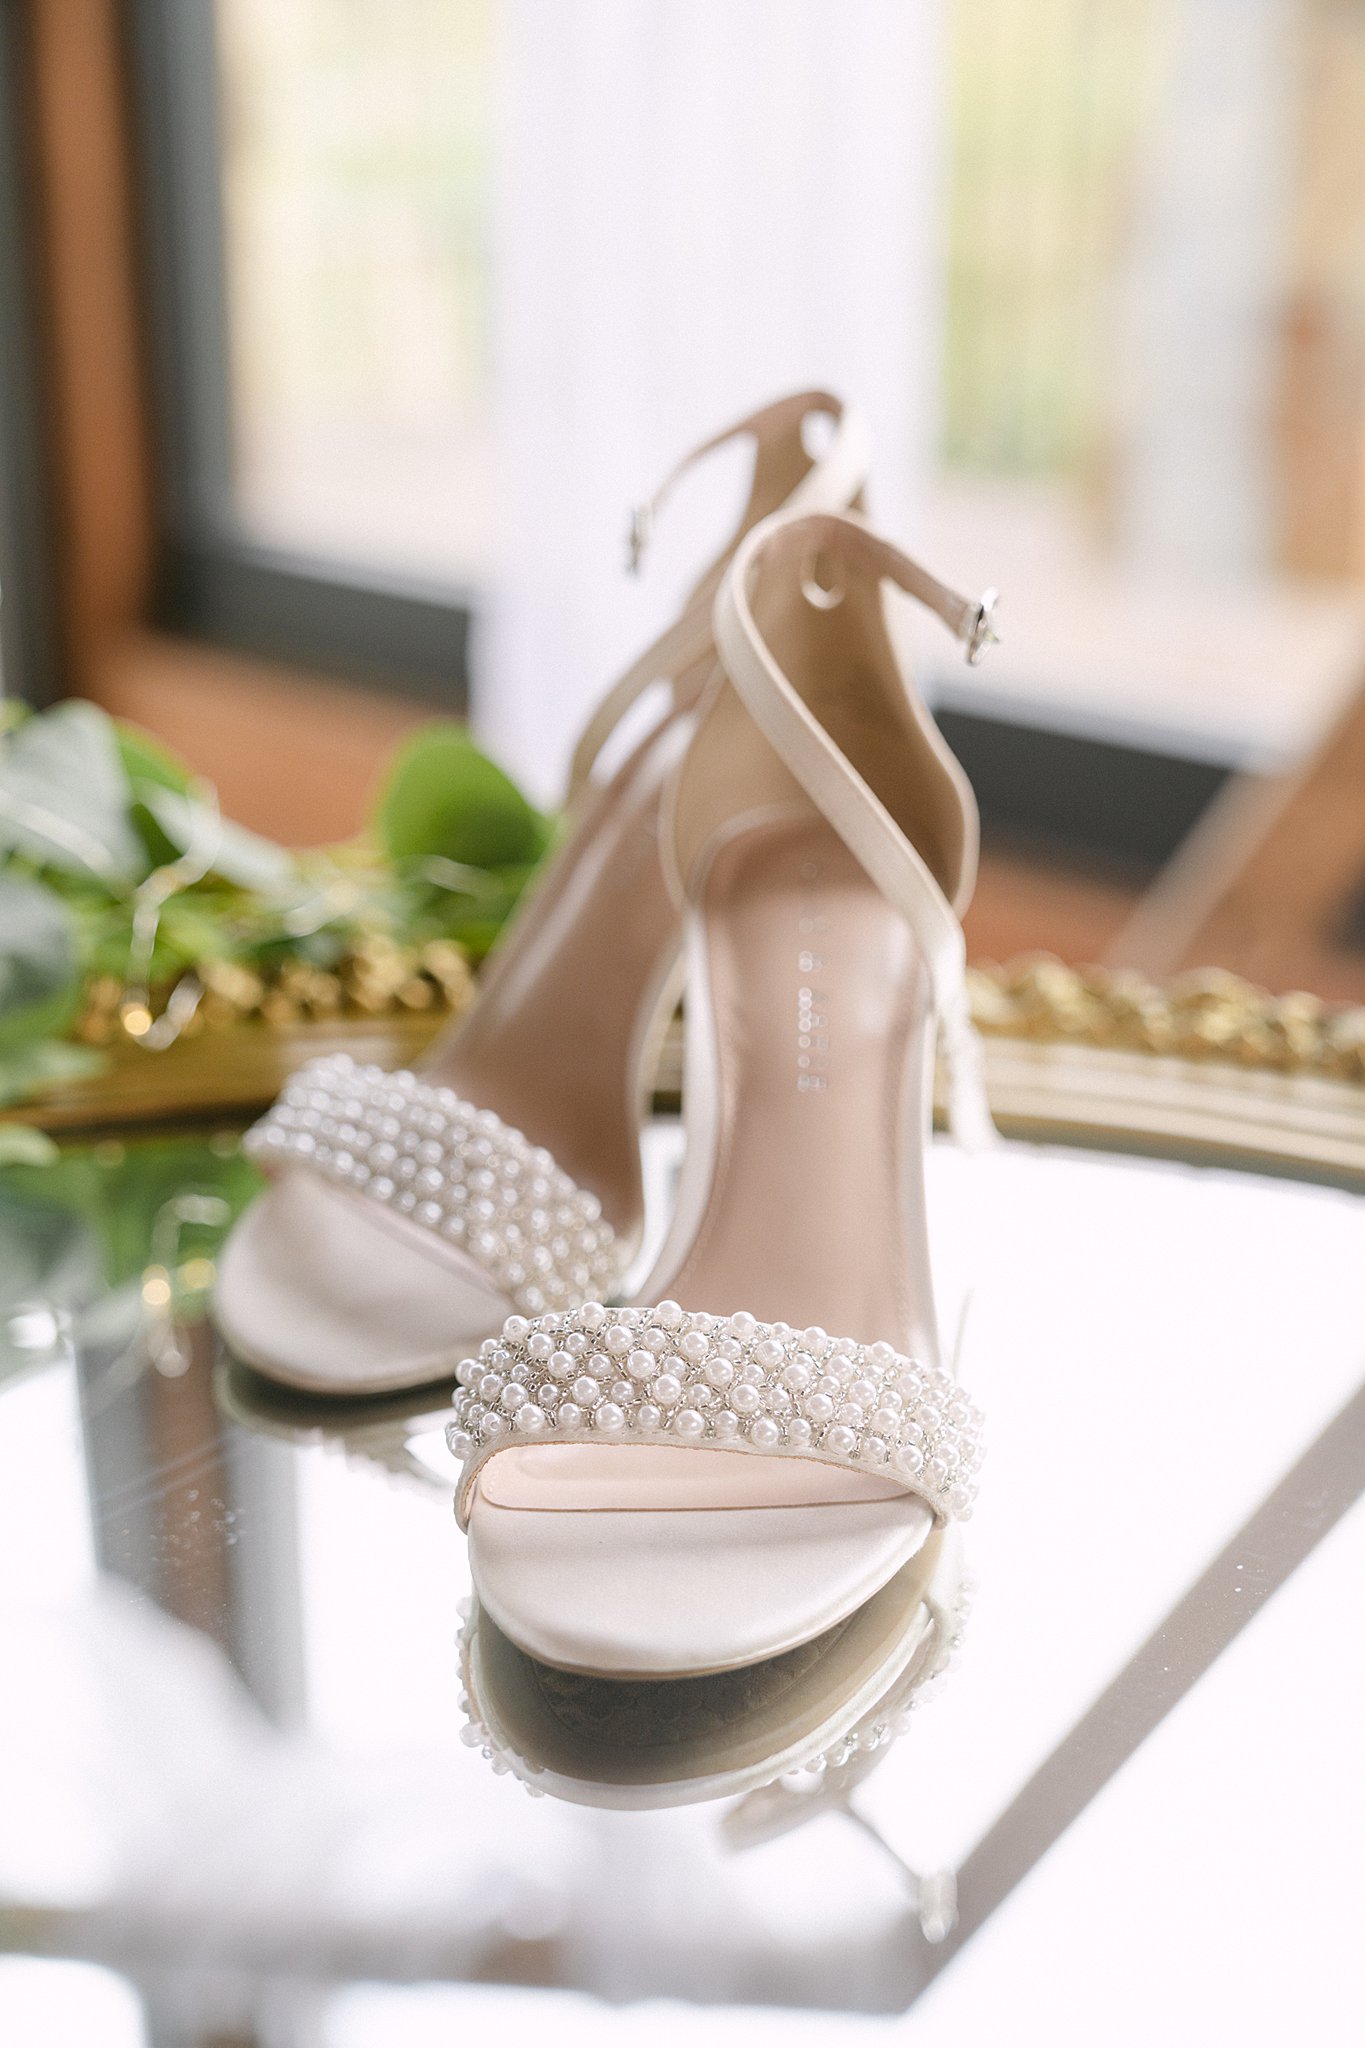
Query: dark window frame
{"x": 31, "y": 661}
{"x": 214, "y": 582}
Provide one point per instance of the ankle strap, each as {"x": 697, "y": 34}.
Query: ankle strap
{"x": 879, "y": 844}
{"x": 833, "y": 480}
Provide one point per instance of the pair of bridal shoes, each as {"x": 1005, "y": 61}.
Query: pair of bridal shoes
{"x": 712, "y": 1525}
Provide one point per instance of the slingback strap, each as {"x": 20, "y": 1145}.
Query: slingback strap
{"x": 835, "y": 786}
{"x": 453, "y": 1169}
{"x": 664, "y": 1375}
{"x": 833, "y": 480}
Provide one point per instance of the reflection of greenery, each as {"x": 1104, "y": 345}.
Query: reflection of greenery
{"x": 125, "y": 1194}
{"x": 123, "y": 893}
{"x": 143, "y": 1222}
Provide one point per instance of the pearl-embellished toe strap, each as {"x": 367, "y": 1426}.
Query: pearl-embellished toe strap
{"x": 451, "y": 1167}
{"x": 717, "y": 1383}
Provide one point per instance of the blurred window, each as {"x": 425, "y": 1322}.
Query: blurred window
{"x": 355, "y": 158}
{"x": 1153, "y": 402}
{"x": 317, "y": 195}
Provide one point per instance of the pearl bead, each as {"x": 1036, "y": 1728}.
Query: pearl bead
{"x": 882, "y": 1354}
{"x": 668, "y": 1315}
{"x": 814, "y": 1339}
{"x": 575, "y": 1343}
{"x": 929, "y": 1434}
{"x": 742, "y": 1326}
{"x": 590, "y": 1316}
{"x": 515, "y": 1329}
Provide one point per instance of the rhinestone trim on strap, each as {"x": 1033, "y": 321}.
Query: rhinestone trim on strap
{"x": 456, "y": 1169}
{"x": 723, "y": 1382}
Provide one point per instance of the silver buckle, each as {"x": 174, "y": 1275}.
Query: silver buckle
{"x": 983, "y": 633}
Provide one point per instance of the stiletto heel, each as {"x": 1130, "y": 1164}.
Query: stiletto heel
{"x": 409, "y": 1212}
{"x": 745, "y": 1458}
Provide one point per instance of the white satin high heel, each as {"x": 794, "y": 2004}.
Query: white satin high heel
{"x": 408, "y": 1213}
{"x": 745, "y": 1458}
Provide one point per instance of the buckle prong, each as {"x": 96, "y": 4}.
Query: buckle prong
{"x": 983, "y": 633}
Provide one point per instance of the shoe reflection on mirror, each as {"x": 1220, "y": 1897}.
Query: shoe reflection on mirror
{"x": 402, "y": 1432}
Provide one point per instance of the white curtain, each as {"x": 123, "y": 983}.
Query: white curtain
{"x": 701, "y": 203}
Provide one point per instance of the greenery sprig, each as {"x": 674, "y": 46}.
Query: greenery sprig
{"x": 131, "y": 909}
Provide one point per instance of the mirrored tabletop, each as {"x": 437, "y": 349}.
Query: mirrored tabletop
{"x": 242, "y": 1796}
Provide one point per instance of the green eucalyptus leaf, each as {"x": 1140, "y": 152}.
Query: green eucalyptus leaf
{"x": 39, "y": 971}
{"x": 64, "y": 798}
{"x": 22, "y": 1145}
{"x": 30, "y": 1070}
{"x": 444, "y": 797}
{"x": 146, "y": 761}
{"x": 239, "y": 856}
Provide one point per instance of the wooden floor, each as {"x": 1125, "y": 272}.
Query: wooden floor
{"x": 1028, "y": 904}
